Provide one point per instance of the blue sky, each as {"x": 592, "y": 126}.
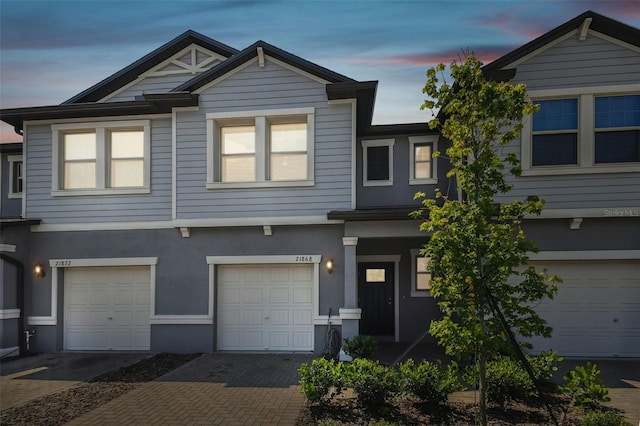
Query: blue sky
{"x": 52, "y": 50}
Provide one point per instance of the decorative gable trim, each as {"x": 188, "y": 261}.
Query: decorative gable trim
{"x": 584, "y": 28}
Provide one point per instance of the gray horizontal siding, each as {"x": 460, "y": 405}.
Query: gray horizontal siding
{"x": 87, "y": 209}
{"x": 254, "y": 88}
{"x": 574, "y": 63}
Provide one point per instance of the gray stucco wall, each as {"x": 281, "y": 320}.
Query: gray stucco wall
{"x": 182, "y": 273}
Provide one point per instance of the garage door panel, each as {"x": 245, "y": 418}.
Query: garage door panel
{"x": 274, "y": 303}
{"x": 596, "y": 311}
{"x": 107, "y": 308}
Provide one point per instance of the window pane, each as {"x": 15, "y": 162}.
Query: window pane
{"x": 422, "y": 152}
{"x": 288, "y": 166}
{"x": 127, "y": 173}
{"x": 80, "y": 146}
{"x": 238, "y": 140}
{"x": 618, "y": 147}
{"x": 80, "y": 174}
{"x": 378, "y": 163}
{"x": 551, "y": 150}
{"x": 375, "y": 275}
{"x": 422, "y": 171}
{"x": 240, "y": 168}
{"x": 127, "y": 144}
{"x": 16, "y": 185}
{"x": 423, "y": 282}
{"x": 556, "y": 114}
{"x": 422, "y": 263}
{"x": 289, "y": 137}
{"x": 617, "y": 111}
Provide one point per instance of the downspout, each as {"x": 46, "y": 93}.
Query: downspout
{"x": 22, "y": 344}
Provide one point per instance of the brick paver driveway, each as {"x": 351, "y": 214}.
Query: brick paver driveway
{"x": 217, "y": 388}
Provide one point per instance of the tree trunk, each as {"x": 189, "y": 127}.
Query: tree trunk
{"x": 482, "y": 374}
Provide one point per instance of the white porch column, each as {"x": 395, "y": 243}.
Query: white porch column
{"x": 350, "y": 313}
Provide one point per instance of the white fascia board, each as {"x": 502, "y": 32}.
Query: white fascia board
{"x": 102, "y": 226}
{"x": 260, "y": 113}
{"x": 604, "y": 212}
{"x": 297, "y": 70}
{"x": 586, "y": 255}
{"x": 7, "y": 248}
{"x": 613, "y": 40}
{"x": 584, "y": 90}
{"x": 536, "y": 52}
{"x": 126, "y": 118}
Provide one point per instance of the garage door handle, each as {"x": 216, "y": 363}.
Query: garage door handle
{"x": 615, "y": 320}
{"x": 266, "y": 317}
{"x": 109, "y": 318}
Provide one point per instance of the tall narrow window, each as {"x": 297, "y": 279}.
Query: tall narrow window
{"x": 79, "y": 153}
{"x": 555, "y": 133}
{"x": 127, "y": 158}
{"x": 423, "y": 276}
{"x": 17, "y": 175}
{"x": 238, "y": 153}
{"x": 617, "y": 129}
{"x": 288, "y": 151}
{"x": 422, "y": 166}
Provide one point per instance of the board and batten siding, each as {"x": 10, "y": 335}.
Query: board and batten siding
{"x": 251, "y": 89}
{"x": 100, "y": 208}
{"x": 574, "y": 63}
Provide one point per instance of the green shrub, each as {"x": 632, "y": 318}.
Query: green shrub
{"x": 603, "y": 418}
{"x": 373, "y": 383}
{"x": 585, "y": 388}
{"x": 507, "y": 381}
{"x": 545, "y": 364}
{"x": 321, "y": 380}
{"x": 360, "y": 346}
{"x": 431, "y": 382}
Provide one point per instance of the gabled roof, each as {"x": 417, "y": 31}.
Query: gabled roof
{"x": 599, "y": 23}
{"x": 252, "y": 52}
{"x": 164, "y": 52}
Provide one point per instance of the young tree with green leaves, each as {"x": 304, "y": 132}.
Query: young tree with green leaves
{"x": 478, "y": 250}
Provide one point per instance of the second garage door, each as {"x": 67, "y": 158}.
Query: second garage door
{"x": 596, "y": 312}
{"x": 107, "y": 308}
{"x": 265, "y": 307}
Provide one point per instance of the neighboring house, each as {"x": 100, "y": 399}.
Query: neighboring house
{"x": 207, "y": 199}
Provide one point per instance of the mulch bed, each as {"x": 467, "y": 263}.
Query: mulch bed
{"x": 63, "y": 407}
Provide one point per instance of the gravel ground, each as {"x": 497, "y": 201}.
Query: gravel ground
{"x": 63, "y": 407}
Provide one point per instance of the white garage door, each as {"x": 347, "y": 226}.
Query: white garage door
{"x": 596, "y": 312}
{"x": 107, "y": 308}
{"x": 265, "y": 307}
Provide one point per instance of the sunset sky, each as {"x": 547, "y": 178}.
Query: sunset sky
{"x": 52, "y": 50}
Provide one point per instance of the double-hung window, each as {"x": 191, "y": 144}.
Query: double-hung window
{"x": 377, "y": 162}
{"x": 420, "y": 275}
{"x": 16, "y": 176}
{"x": 101, "y": 158}
{"x": 270, "y": 148}
{"x": 617, "y": 129}
{"x": 583, "y": 130}
{"x": 422, "y": 165}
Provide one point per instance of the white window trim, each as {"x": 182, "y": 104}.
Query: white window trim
{"x": 14, "y": 159}
{"x": 102, "y": 158}
{"x": 417, "y": 140}
{"x": 260, "y": 119}
{"x": 375, "y": 143}
{"x": 415, "y": 253}
{"x": 586, "y": 132}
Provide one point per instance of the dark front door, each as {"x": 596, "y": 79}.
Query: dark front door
{"x": 375, "y": 298}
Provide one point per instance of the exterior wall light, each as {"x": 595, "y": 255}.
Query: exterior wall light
{"x": 38, "y": 270}
{"x": 329, "y": 265}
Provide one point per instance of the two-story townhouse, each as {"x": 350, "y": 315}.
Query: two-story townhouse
{"x": 205, "y": 199}
{"x": 581, "y": 153}
{"x": 182, "y": 203}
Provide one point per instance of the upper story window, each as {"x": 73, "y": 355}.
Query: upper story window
{"x": 101, "y": 158}
{"x": 271, "y": 148}
{"x": 617, "y": 126}
{"x": 420, "y": 275}
{"x": 583, "y": 130}
{"x": 377, "y": 162}
{"x": 422, "y": 165}
{"x": 16, "y": 176}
